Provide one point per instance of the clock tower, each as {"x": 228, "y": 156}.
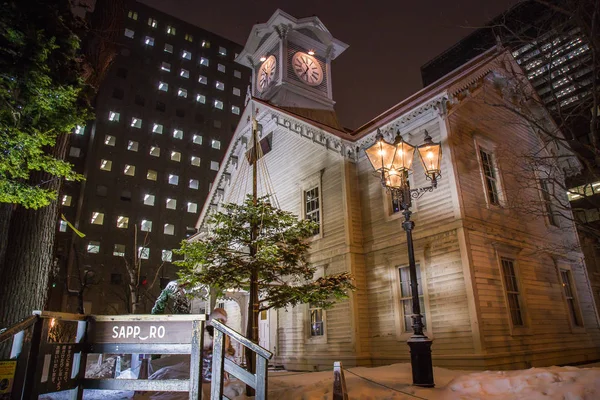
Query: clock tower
{"x": 291, "y": 63}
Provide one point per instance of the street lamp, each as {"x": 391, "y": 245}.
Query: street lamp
{"x": 393, "y": 162}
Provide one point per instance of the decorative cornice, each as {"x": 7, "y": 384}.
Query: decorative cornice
{"x": 282, "y": 30}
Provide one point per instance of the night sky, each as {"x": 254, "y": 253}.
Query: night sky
{"x": 389, "y": 40}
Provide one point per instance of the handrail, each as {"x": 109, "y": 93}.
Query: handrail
{"x": 149, "y": 317}
{"x": 18, "y": 327}
{"x": 242, "y": 339}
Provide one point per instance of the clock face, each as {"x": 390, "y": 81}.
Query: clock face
{"x": 307, "y": 68}
{"x": 266, "y": 73}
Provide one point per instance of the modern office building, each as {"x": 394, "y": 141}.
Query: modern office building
{"x": 165, "y": 114}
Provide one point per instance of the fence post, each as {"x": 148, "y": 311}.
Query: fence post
{"x": 216, "y": 390}
{"x": 29, "y": 383}
{"x": 339, "y": 382}
{"x": 261, "y": 377}
{"x": 196, "y": 360}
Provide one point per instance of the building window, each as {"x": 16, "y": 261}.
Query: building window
{"x": 93, "y": 247}
{"x": 101, "y": 190}
{"x": 236, "y": 91}
{"x": 152, "y": 23}
{"x": 67, "y": 200}
{"x": 206, "y": 44}
{"x": 235, "y": 110}
{"x": 171, "y": 204}
{"x": 105, "y": 165}
{"x": 216, "y": 123}
{"x": 133, "y": 15}
{"x": 168, "y": 48}
{"x": 220, "y": 85}
{"x": 189, "y": 37}
{"x": 222, "y": 51}
{"x": 143, "y": 253}
{"x": 173, "y": 179}
{"x": 215, "y": 144}
{"x": 129, "y": 33}
{"x": 118, "y": 93}
{"x": 169, "y": 229}
{"x": 74, "y": 152}
{"x": 119, "y": 250}
{"x": 237, "y": 74}
{"x": 114, "y": 116}
{"x": 511, "y": 288}
{"x": 194, "y": 184}
{"x": 572, "y": 304}
{"x": 62, "y": 226}
{"x": 204, "y": 61}
{"x": 195, "y": 161}
{"x": 136, "y": 123}
{"x": 139, "y": 100}
{"x": 163, "y": 87}
{"x": 200, "y": 98}
{"x": 186, "y": 55}
{"x": 197, "y": 139}
{"x": 151, "y": 175}
{"x": 110, "y": 140}
{"x": 175, "y": 156}
{"x": 171, "y": 30}
{"x": 167, "y": 255}
{"x": 149, "y": 199}
{"x": 126, "y": 195}
{"x": 146, "y": 226}
{"x": 547, "y": 189}
{"x": 155, "y": 151}
{"x": 218, "y": 104}
{"x": 79, "y": 130}
{"x": 157, "y": 128}
{"x": 180, "y": 112}
{"x": 184, "y": 73}
{"x": 97, "y": 218}
{"x": 162, "y": 107}
{"x": 312, "y": 207}
{"x": 317, "y": 321}
{"x": 214, "y": 165}
{"x": 129, "y": 170}
{"x": 149, "y": 40}
{"x": 488, "y": 167}
{"x": 220, "y": 68}
{"x": 122, "y": 222}
{"x": 406, "y": 297}
{"x": 192, "y": 207}
{"x": 202, "y": 79}
{"x": 122, "y": 73}
{"x": 132, "y": 145}
{"x": 182, "y": 92}
{"x": 177, "y": 133}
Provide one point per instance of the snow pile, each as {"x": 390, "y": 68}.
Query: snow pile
{"x": 105, "y": 370}
{"x": 568, "y": 383}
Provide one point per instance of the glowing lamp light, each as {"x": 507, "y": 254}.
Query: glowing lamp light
{"x": 431, "y": 157}
{"x": 311, "y": 52}
{"x": 263, "y": 59}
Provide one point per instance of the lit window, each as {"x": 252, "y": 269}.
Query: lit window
{"x": 74, "y": 152}
{"x": 182, "y": 92}
{"x": 206, "y": 44}
{"x": 168, "y": 48}
{"x": 171, "y": 204}
{"x": 569, "y": 290}
{"x": 194, "y": 184}
{"x": 195, "y": 161}
{"x": 513, "y": 293}
{"x": 119, "y": 250}
{"x": 62, "y": 226}
{"x": 79, "y": 130}
{"x": 237, "y": 74}
{"x": 222, "y": 51}
{"x": 202, "y": 79}
{"x": 220, "y": 85}
{"x": 129, "y": 33}
{"x": 152, "y": 23}
{"x": 221, "y": 68}
{"x": 129, "y": 170}
{"x": 312, "y": 207}
{"x": 197, "y": 139}
{"x": 235, "y": 110}
{"x": 149, "y": 199}
{"x": 169, "y": 229}
{"x": 133, "y": 15}
{"x": 146, "y": 226}
{"x": 204, "y": 61}
{"x": 122, "y": 222}
{"x": 66, "y": 200}
{"x": 149, "y": 40}
{"x": 157, "y": 128}
{"x": 236, "y": 91}
{"x": 167, "y": 255}
{"x": 105, "y": 165}
{"x": 113, "y": 116}
{"x": 151, "y": 175}
{"x": 192, "y": 207}
{"x": 173, "y": 179}
{"x": 184, "y": 73}
{"x": 163, "y": 87}
{"x": 488, "y": 165}
{"x": 189, "y": 37}
{"x": 97, "y": 218}
{"x": 406, "y": 297}
{"x": 155, "y": 151}
{"x": 144, "y": 253}
{"x": 214, "y": 165}
{"x": 186, "y": 55}
{"x": 170, "y": 30}
{"x": 110, "y": 140}
{"x": 200, "y": 98}
{"x": 317, "y": 321}
{"x": 93, "y": 247}
{"x": 177, "y": 133}
{"x": 215, "y": 144}
{"x": 175, "y": 156}
{"x": 218, "y": 104}
{"x": 136, "y": 123}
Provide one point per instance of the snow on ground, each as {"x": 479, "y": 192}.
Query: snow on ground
{"x": 392, "y": 382}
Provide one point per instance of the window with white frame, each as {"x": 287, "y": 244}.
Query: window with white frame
{"x": 62, "y": 226}
{"x": 110, "y": 140}
{"x": 97, "y": 218}
{"x": 194, "y": 184}
{"x": 236, "y": 91}
{"x": 122, "y": 222}
{"x": 114, "y": 116}
{"x": 189, "y": 37}
{"x": 220, "y": 68}
{"x": 171, "y": 30}
{"x": 149, "y": 199}
{"x": 79, "y": 130}
{"x": 74, "y": 152}
{"x": 489, "y": 171}
{"x": 163, "y": 86}
{"x": 406, "y": 302}
{"x": 171, "y": 204}
{"x": 572, "y": 303}
{"x": 222, "y": 51}
{"x": 200, "y": 98}
{"x": 143, "y": 253}
{"x": 132, "y": 145}
{"x": 154, "y": 151}
{"x": 312, "y": 207}
{"x": 184, "y": 73}
{"x": 182, "y": 92}
{"x": 214, "y": 165}
{"x": 512, "y": 291}
{"x": 133, "y": 15}
{"x": 195, "y": 161}
{"x": 202, "y": 79}
{"x": 93, "y": 247}
{"x": 317, "y": 321}
{"x": 152, "y": 23}
{"x": 149, "y": 41}
{"x": 175, "y": 156}
{"x": 547, "y": 193}
{"x": 151, "y": 175}
{"x": 129, "y": 170}
{"x": 129, "y": 33}
{"x": 177, "y": 134}
{"x": 146, "y": 225}
{"x": 169, "y": 229}
{"x": 215, "y": 144}
{"x": 204, "y": 61}
{"x": 173, "y": 179}
{"x": 119, "y": 250}
{"x": 105, "y": 165}
{"x": 168, "y": 48}
{"x": 218, "y": 104}
{"x": 192, "y": 207}
{"x": 197, "y": 139}
{"x": 157, "y": 128}
{"x": 136, "y": 123}
{"x": 220, "y": 85}
{"x": 235, "y": 110}
{"x": 167, "y": 255}
{"x": 186, "y": 55}
{"x": 237, "y": 74}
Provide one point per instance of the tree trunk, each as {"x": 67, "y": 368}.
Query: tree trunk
{"x": 5, "y": 214}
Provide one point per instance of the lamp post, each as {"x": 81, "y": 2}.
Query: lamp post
{"x": 393, "y": 163}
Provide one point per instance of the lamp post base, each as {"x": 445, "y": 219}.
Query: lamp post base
{"x": 420, "y": 360}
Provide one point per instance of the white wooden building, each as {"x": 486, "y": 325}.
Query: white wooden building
{"x": 475, "y": 254}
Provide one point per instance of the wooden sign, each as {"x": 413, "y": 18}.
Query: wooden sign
{"x": 140, "y": 332}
